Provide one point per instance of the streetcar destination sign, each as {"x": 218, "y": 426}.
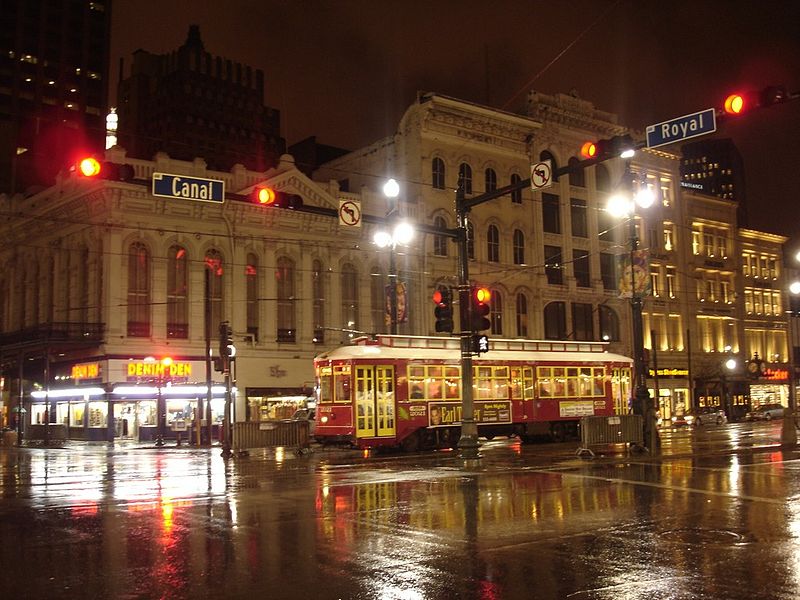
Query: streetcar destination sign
{"x": 682, "y": 128}
{"x": 190, "y": 188}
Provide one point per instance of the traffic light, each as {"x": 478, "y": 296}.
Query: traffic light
{"x": 226, "y": 348}
{"x": 742, "y": 102}
{"x": 480, "y": 297}
{"x": 90, "y": 167}
{"x": 608, "y": 148}
{"x": 443, "y": 298}
{"x": 268, "y": 197}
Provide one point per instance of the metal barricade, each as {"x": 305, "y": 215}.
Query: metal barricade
{"x": 248, "y": 435}
{"x": 619, "y": 429}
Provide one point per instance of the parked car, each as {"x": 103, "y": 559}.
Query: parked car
{"x": 704, "y": 415}
{"x": 765, "y": 412}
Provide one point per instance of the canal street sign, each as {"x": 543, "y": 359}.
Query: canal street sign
{"x": 189, "y": 188}
{"x": 682, "y": 128}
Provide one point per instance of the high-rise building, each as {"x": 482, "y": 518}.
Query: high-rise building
{"x": 190, "y": 104}
{"x": 715, "y": 167}
{"x": 53, "y": 86}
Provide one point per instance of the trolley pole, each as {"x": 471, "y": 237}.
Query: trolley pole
{"x": 468, "y": 442}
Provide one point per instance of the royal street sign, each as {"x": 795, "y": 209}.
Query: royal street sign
{"x": 682, "y": 128}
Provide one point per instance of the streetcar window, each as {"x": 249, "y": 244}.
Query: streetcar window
{"x": 341, "y": 382}
{"x": 325, "y": 389}
{"x": 452, "y": 383}
{"x": 491, "y": 382}
{"x": 417, "y": 390}
{"x": 516, "y": 384}
{"x": 599, "y": 381}
{"x": 585, "y": 382}
{"x": 434, "y": 382}
{"x": 435, "y": 389}
{"x": 527, "y": 377}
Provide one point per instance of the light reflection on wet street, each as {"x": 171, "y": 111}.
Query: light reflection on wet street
{"x": 716, "y": 516}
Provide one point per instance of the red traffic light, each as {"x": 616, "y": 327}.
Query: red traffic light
{"x": 438, "y": 297}
{"x": 268, "y": 197}
{"x": 265, "y": 195}
{"x": 89, "y": 167}
{"x": 589, "y": 150}
{"x": 735, "y": 104}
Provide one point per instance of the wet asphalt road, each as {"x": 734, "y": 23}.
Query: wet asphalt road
{"x": 717, "y": 515}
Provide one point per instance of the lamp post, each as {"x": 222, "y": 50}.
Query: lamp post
{"x": 161, "y": 409}
{"x": 401, "y": 233}
{"x": 621, "y": 205}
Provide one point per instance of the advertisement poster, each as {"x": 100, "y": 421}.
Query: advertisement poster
{"x": 449, "y": 413}
{"x": 639, "y": 278}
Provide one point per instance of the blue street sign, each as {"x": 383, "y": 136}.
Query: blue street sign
{"x": 682, "y": 128}
{"x": 189, "y": 188}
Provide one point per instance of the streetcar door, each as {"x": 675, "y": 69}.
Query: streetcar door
{"x": 375, "y": 415}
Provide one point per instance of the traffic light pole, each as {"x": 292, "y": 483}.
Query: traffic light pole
{"x": 468, "y": 442}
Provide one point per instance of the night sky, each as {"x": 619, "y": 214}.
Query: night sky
{"x": 346, "y": 71}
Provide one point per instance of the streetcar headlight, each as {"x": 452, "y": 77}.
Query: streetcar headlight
{"x": 323, "y": 420}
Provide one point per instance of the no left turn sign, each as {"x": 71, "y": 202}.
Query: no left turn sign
{"x": 541, "y": 175}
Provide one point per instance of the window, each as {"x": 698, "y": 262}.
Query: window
{"x": 566, "y": 382}
{"x": 669, "y": 237}
{"x": 437, "y": 173}
{"x": 695, "y": 243}
{"x": 516, "y": 195}
{"x": 349, "y": 301}
{"x": 287, "y": 314}
{"x": 555, "y": 321}
{"x": 465, "y": 177}
{"x": 318, "y": 287}
{"x": 493, "y": 244}
{"x": 576, "y": 176}
{"x": 522, "y": 315}
{"x": 434, "y": 382}
{"x": 213, "y": 294}
{"x": 609, "y": 324}
{"x": 177, "y": 297}
{"x": 470, "y": 241}
{"x": 490, "y": 180}
{"x": 671, "y": 289}
{"x": 655, "y": 280}
{"x": 496, "y": 312}
{"x": 580, "y": 268}
{"x": 725, "y": 291}
{"x": 608, "y": 270}
{"x": 551, "y": 221}
{"x": 251, "y": 291}
{"x": 578, "y": 218}
{"x": 607, "y": 225}
{"x": 582, "y": 326}
{"x": 519, "y": 247}
{"x": 439, "y": 241}
{"x": 602, "y": 180}
{"x": 138, "y": 291}
{"x": 552, "y": 265}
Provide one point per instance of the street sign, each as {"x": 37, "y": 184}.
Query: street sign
{"x": 681, "y": 128}
{"x": 189, "y": 188}
{"x": 541, "y": 175}
{"x": 350, "y": 213}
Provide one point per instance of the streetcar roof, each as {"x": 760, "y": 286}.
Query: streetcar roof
{"x": 451, "y": 353}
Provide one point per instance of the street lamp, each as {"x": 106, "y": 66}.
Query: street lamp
{"x": 624, "y": 204}
{"x": 401, "y": 233}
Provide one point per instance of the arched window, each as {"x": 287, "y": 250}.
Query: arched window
{"x": 547, "y": 155}
{"x": 490, "y": 180}
{"x": 439, "y": 241}
{"x": 492, "y": 244}
{"x": 601, "y": 178}
{"x": 82, "y": 283}
{"x": 177, "y": 297}
{"x": 349, "y": 301}
{"x": 465, "y": 177}
{"x": 213, "y": 273}
{"x": 609, "y": 324}
{"x": 522, "y": 315}
{"x": 555, "y": 321}
{"x": 576, "y": 176}
{"x": 516, "y": 195}
{"x": 287, "y": 314}
{"x": 470, "y": 241}
{"x": 519, "y": 247}
{"x": 437, "y": 173}
{"x": 251, "y": 291}
{"x": 496, "y": 312}
{"x": 138, "y": 290}
{"x": 318, "y": 292}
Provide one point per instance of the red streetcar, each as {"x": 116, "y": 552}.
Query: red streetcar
{"x": 406, "y": 390}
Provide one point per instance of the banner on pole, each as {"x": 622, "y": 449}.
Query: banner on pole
{"x": 634, "y": 279}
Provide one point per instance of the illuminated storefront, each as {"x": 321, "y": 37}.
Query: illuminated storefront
{"x": 119, "y": 399}
{"x": 670, "y": 387}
